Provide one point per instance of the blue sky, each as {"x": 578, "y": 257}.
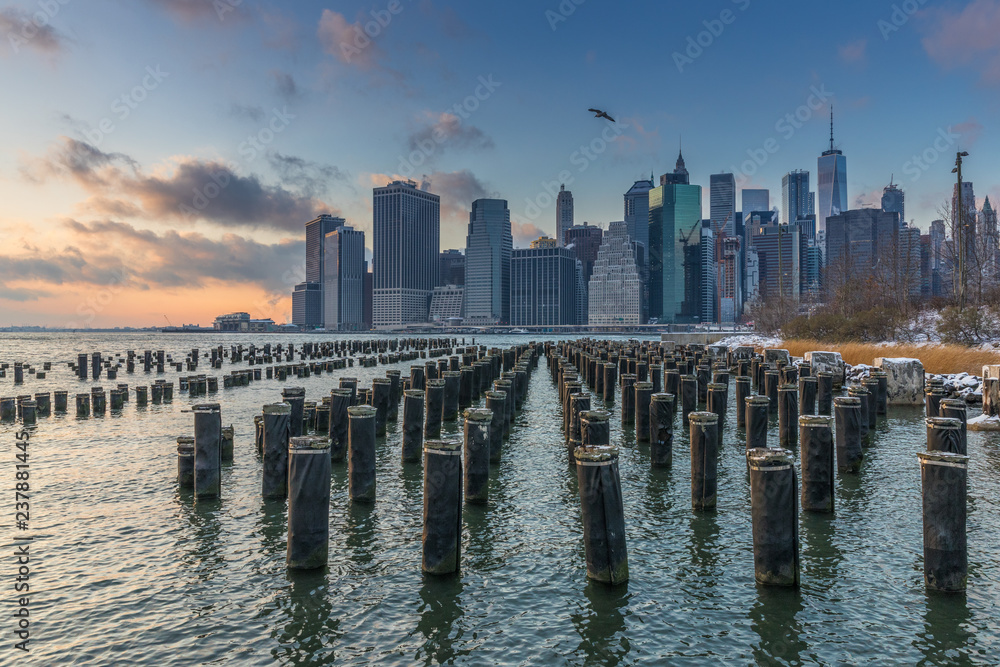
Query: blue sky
{"x": 241, "y": 119}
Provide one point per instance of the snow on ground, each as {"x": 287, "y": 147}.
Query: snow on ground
{"x": 751, "y": 340}
{"x": 967, "y": 387}
{"x": 984, "y": 423}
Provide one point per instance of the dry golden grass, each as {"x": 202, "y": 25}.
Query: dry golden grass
{"x": 935, "y": 358}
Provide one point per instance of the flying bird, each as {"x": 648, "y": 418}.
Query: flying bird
{"x": 602, "y": 114}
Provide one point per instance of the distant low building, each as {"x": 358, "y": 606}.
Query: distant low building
{"x": 232, "y": 322}
{"x": 446, "y": 303}
{"x": 241, "y": 322}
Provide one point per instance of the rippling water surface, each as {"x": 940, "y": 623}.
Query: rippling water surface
{"x": 127, "y": 570}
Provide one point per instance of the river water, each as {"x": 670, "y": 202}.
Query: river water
{"x": 125, "y": 569}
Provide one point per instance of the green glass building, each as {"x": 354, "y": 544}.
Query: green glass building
{"x": 675, "y": 257}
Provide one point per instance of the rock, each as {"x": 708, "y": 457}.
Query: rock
{"x": 773, "y": 356}
{"x": 743, "y": 352}
{"x": 906, "y": 380}
{"x": 718, "y": 351}
{"x": 984, "y": 423}
{"x": 828, "y": 361}
{"x": 992, "y": 371}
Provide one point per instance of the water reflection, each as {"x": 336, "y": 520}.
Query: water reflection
{"x": 601, "y": 624}
{"x": 306, "y": 633}
{"x": 362, "y": 519}
{"x": 440, "y": 608}
{"x": 704, "y": 545}
{"x": 773, "y": 619}
{"x": 270, "y": 526}
{"x": 821, "y": 555}
{"x": 948, "y": 632}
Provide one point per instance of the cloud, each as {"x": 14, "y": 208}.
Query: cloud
{"x": 452, "y": 25}
{"x": 310, "y": 178}
{"x": 347, "y": 41}
{"x": 200, "y": 11}
{"x": 284, "y": 85}
{"x": 447, "y": 129}
{"x": 22, "y": 31}
{"x": 966, "y": 37}
{"x": 854, "y": 52}
{"x": 186, "y": 190}
{"x": 524, "y": 233}
{"x": 108, "y": 253}
{"x": 868, "y": 199}
{"x": 248, "y": 112}
{"x": 970, "y": 130}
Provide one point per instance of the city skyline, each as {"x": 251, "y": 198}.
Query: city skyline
{"x": 188, "y": 168}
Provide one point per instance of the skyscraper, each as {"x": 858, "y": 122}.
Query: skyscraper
{"x": 755, "y": 200}
{"x": 794, "y": 196}
{"x": 615, "y": 289}
{"x": 708, "y": 271}
{"x": 637, "y": 211}
{"x": 307, "y": 305}
{"x": 585, "y": 240}
{"x": 832, "y": 184}
{"x": 407, "y": 239}
{"x": 343, "y": 280}
{"x": 893, "y": 200}
{"x": 675, "y": 266}
{"x": 316, "y": 231}
{"x": 564, "y": 213}
{"x": 452, "y": 268}
{"x": 487, "y": 263}
{"x": 543, "y": 285}
{"x": 722, "y": 199}
{"x": 858, "y": 241}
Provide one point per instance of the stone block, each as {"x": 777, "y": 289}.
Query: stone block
{"x": 905, "y": 380}
{"x": 827, "y": 361}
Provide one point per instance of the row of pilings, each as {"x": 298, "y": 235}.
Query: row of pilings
{"x": 657, "y": 380}
{"x": 299, "y": 441}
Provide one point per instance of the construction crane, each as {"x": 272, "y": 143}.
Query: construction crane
{"x": 168, "y": 321}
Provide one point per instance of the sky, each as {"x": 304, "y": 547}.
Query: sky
{"x": 159, "y": 158}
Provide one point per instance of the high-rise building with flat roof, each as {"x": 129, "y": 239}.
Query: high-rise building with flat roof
{"x": 343, "y": 280}
{"x": 307, "y": 305}
{"x": 755, "y": 199}
{"x": 452, "y": 268}
{"x": 406, "y": 246}
{"x": 543, "y": 286}
{"x": 487, "y": 263}
{"x": 794, "y": 196}
{"x": 564, "y": 214}
{"x": 722, "y": 204}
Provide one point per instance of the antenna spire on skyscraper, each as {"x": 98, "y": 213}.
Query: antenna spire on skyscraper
{"x": 831, "y": 127}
